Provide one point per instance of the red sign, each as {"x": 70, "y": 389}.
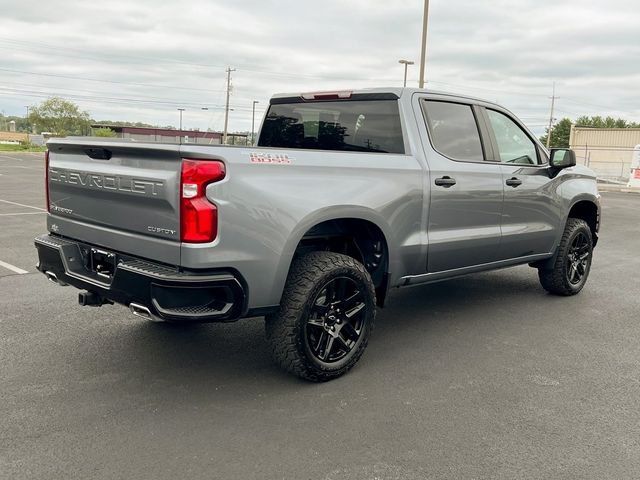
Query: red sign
{"x": 636, "y": 173}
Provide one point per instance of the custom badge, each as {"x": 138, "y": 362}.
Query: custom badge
{"x": 272, "y": 158}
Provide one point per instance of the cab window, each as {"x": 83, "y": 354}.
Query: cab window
{"x": 453, "y": 130}
{"x": 346, "y": 125}
{"x": 514, "y": 145}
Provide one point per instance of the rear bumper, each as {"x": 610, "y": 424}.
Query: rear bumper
{"x": 166, "y": 292}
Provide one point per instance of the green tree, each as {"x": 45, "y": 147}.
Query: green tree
{"x": 606, "y": 122}
{"x": 559, "y": 134}
{"x": 60, "y": 117}
{"x": 562, "y": 130}
{"x": 22, "y": 123}
{"x": 103, "y": 132}
{"x": 122, "y": 123}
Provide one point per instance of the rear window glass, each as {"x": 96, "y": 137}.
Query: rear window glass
{"x": 453, "y": 130}
{"x": 360, "y": 126}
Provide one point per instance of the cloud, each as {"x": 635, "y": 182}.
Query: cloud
{"x": 140, "y": 60}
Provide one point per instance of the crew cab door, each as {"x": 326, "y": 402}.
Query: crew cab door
{"x": 531, "y": 211}
{"x": 465, "y": 188}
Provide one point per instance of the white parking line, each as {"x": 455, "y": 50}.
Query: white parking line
{"x": 23, "y": 213}
{"x": 13, "y": 268}
{"x": 23, "y": 205}
{"x": 20, "y": 166}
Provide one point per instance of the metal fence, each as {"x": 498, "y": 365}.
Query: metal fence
{"x": 611, "y": 164}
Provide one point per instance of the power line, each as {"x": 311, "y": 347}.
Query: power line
{"x": 609, "y": 108}
{"x": 69, "y": 77}
{"x": 472, "y": 87}
{"x": 56, "y": 91}
{"x": 247, "y": 69}
{"x": 56, "y": 51}
{"x": 59, "y": 51}
{"x": 91, "y": 55}
{"x": 114, "y": 100}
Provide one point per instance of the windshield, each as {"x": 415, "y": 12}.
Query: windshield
{"x": 364, "y": 126}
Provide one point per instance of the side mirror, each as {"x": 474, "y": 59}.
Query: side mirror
{"x": 562, "y": 158}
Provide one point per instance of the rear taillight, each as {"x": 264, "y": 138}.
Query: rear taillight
{"x": 46, "y": 178}
{"x": 198, "y": 216}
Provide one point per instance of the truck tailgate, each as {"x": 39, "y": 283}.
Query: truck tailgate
{"x": 119, "y": 195}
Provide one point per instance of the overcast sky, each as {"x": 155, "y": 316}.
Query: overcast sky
{"x": 141, "y": 60}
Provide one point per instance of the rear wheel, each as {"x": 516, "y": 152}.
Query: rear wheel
{"x": 325, "y": 318}
{"x": 570, "y": 270}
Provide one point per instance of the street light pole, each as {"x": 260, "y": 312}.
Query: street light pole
{"x": 423, "y": 54}
{"x": 180, "y": 133}
{"x": 253, "y": 120}
{"x": 406, "y": 63}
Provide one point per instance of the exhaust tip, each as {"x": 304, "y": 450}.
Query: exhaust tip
{"x": 52, "y": 277}
{"x": 143, "y": 312}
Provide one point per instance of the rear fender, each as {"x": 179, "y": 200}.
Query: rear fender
{"x": 323, "y": 215}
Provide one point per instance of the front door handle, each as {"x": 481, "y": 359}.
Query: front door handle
{"x": 514, "y": 182}
{"x": 445, "y": 181}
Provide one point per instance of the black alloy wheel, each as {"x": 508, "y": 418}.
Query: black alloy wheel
{"x": 334, "y": 325}
{"x": 325, "y": 318}
{"x": 567, "y": 272}
{"x": 578, "y": 259}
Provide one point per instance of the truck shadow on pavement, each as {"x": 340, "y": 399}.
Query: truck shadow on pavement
{"x": 237, "y": 351}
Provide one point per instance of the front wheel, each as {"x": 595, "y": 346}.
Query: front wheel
{"x": 572, "y": 263}
{"x": 325, "y": 318}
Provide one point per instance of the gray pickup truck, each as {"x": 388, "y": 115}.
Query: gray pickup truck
{"x": 347, "y": 194}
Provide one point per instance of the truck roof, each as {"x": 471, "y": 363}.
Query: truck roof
{"x": 398, "y": 91}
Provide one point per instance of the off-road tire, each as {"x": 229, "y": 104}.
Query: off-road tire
{"x": 554, "y": 279}
{"x": 286, "y": 329}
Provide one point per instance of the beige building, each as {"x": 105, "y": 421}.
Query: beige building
{"x": 13, "y": 137}
{"x": 608, "y": 151}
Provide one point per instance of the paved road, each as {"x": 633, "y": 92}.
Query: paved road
{"x": 481, "y": 377}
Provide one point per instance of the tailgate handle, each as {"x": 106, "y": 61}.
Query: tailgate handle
{"x": 98, "y": 153}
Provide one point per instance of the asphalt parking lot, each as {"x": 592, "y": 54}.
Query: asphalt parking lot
{"x": 481, "y": 377}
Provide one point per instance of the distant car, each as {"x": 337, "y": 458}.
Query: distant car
{"x": 347, "y": 194}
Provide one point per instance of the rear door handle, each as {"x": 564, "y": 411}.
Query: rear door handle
{"x": 445, "y": 181}
{"x": 514, "y": 182}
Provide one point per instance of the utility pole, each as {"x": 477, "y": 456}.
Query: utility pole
{"x": 553, "y": 102}
{"x": 406, "y": 63}
{"x": 226, "y": 108}
{"x": 253, "y": 121}
{"x": 423, "y": 54}
{"x": 180, "y": 134}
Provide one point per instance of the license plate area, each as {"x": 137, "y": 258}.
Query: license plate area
{"x": 102, "y": 263}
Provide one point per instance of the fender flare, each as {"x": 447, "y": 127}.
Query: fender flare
{"x": 588, "y": 197}
{"x": 323, "y": 215}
